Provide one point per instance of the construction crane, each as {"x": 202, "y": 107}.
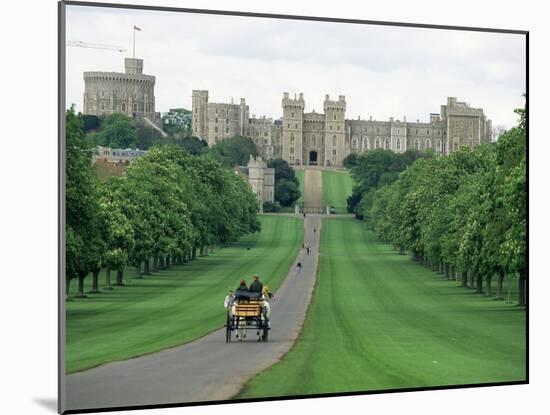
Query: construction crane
{"x": 80, "y": 44}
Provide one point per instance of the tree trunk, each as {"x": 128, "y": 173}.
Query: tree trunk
{"x": 167, "y": 261}
{"x": 119, "y": 278}
{"x": 452, "y": 275}
{"x": 472, "y": 278}
{"x": 67, "y": 285}
{"x": 161, "y": 262}
{"x": 194, "y": 252}
{"x": 155, "y": 264}
{"x": 138, "y": 270}
{"x": 441, "y": 267}
{"x": 146, "y": 270}
{"x": 108, "y": 279}
{"x": 479, "y": 284}
{"x": 488, "y": 287}
{"x": 446, "y": 270}
{"x": 201, "y": 250}
{"x": 205, "y": 251}
{"x": 499, "y": 285}
{"x": 95, "y": 282}
{"x": 81, "y": 286}
{"x": 464, "y": 278}
{"x": 522, "y": 297}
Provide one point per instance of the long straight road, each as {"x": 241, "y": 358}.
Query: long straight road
{"x": 313, "y": 191}
{"x": 207, "y": 369}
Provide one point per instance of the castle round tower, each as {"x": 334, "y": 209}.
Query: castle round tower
{"x": 131, "y": 93}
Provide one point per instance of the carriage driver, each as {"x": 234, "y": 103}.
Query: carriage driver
{"x": 256, "y": 286}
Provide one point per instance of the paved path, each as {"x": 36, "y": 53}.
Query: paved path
{"x": 313, "y": 191}
{"x": 207, "y": 369}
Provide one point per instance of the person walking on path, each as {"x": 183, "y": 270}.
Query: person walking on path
{"x": 307, "y": 249}
{"x": 298, "y": 267}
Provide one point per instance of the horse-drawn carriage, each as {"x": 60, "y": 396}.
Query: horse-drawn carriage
{"x": 250, "y": 311}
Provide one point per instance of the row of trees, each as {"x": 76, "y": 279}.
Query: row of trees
{"x": 169, "y": 207}
{"x": 375, "y": 169}
{"x": 464, "y": 214}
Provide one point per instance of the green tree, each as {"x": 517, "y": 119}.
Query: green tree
{"x": 234, "y": 151}
{"x": 286, "y": 192}
{"x": 83, "y": 225}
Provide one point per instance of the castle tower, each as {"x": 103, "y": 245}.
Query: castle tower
{"x": 133, "y": 66}
{"x": 200, "y": 111}
{"x": 243, "y": 118}
{"x": 293, "y": 123}
{"x": 335, "y": 136}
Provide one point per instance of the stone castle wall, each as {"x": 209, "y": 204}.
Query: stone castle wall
{"x": 327, "y": 138}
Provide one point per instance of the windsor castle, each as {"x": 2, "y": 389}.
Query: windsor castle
{"x": 325, "y": 139}
{"x": 300, "y": 138}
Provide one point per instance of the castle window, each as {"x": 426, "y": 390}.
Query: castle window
{"x": 216, "y": 129}
{"x": 135, "y": 107}
{"x": 377, "y": 130}
{"x": 291, "y": 138}
{"x": 296, "y": 126}
{"x": 123, "y": 106}
{"x": 338, "y": 128}
{"x": 288, "y": 125}
{"x": 428, "y": 144}
{"x": 428, "y": 132}
{"x": 102, "y": 93}
{"x": 416, "y": 131}
{"x": 417, "y": 144}
{"x": 227, "y": 130}
{"x": 398, "y": 144}
{"x": 313, "y": 141}
{"x": 291, "y": 150}
{"x": 216, "y": 120}
{"x": 291, "y": 115}
{"x": 216, "y": 111}
{"x": 333, "y": 140}
{"x": 438, "y": 145}
{"x": 387, "y": 143}
{"x": 102, "y": 106}
{"x": 333, "y": 152}
{"x": 335, "y": 117}
{"x": 330, "y": 127}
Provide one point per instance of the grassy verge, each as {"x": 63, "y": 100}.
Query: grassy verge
{"x": 336, "y": 189}
{"x": 379, "y": 321}
{"x": 178, "y": 305}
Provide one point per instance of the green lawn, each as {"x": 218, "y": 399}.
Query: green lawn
{"x": 178, "y": 305}
{"x": 379, "y": 321}
{"x": 336, "y": 189}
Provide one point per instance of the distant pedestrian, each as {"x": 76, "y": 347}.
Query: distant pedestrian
{"x": 314, "y": 230}
{"x": 298, "y": 267}
{"x": 307, "y": 249}
{"x": 304, "y": 215}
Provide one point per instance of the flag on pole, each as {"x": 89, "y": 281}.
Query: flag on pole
{"x": 137, "y": 28}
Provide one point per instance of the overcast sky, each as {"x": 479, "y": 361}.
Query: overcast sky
{"x": 383, "y": 71}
